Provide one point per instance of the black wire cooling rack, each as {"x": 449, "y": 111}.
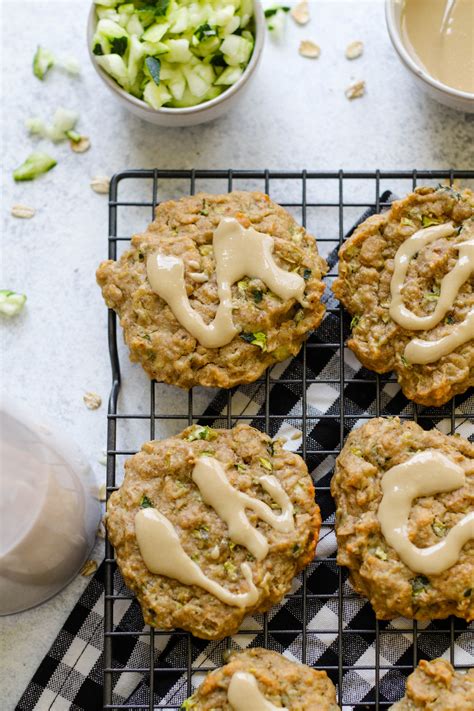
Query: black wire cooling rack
{"x": 328, "y": 204}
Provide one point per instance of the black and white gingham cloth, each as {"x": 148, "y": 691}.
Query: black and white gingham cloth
{"x": 70, "y": 676}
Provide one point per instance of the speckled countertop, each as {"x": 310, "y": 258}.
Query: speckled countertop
{"x": 295, "y": 116}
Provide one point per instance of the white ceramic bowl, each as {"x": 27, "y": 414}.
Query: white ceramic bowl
{"x": 48, "y": 513}
{"x": 192, "y": 115}
{"x": 456, "y": 99}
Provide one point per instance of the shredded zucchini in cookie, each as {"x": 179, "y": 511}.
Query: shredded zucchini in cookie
{"x": 199, "y": 432}
{"x": 256, "y": 339}
{"x": 146, "y": 503}
{"x": 427, "y": 221}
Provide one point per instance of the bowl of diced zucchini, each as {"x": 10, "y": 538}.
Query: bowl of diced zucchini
{"x": 176, "y": 62}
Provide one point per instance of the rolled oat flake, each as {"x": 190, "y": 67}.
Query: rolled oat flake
{"x": 23, "y": 212}
{"x": 356, "y": 90}
{"x": 80, "y": 146}
{"x": 92, "y": 401}
{"x": 100, "y": 184}
{"x": 89, "y": 568}
{"x": 300, "y": 13}
{"x": 309, "y": 49}
{"x": 354, "y": 49}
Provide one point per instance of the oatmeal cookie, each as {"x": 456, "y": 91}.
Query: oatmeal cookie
{"x": 269, "y": 329}
{"x": 366, "y": 266}
{"x": 376, "y": 570}
{"x": 282, "y": 682}
{"x": 160, "y": 476}
{"x": 436, "y": 686}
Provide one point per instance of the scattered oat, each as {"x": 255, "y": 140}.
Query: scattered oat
{"x": 100, "y": 184}
{"x": 80, "y": 146}
{"x": 199, "y": 276}
{"x": 23, "y": 211}
{"x": 356, "y": 90}
{"x": 296, "y": 435}
{"x": 89, "y": 568}
{"x": 101, "y": 529}
{"x": 309, "y": 49}
{"x": 354, "y": 49}
{"x": 92, "y": 401}
{"x": 102, "y": 492}
{"x": 300, "y": 13}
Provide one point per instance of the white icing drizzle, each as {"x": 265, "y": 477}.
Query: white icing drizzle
{"x": 418, "y": 350}
{"x": 243, "y": 694}
{"x": 230, "y": 504}
{"x": 425, "y": 474}
{"x": 163, "y": 554}
{"x": 238, "y": 252}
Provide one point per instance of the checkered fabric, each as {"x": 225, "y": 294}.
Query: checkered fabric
{"x": 329, "y": 626}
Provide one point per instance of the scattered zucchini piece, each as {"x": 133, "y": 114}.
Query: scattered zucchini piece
{"x": 70, "y": 65}
{"x": 266, "y": 463}
{"x": 73, "y": 136}
{"x": 42, "y": 62}
{"x": 271, "y": 11}
{"x": 36, "y": 126}
{"x": 11, "y": 303}
{"x": 64, "y": 120}
{"x": 276, "y": 18}
{"x": 354, "y": 322}
{"x": 36, "y": 164}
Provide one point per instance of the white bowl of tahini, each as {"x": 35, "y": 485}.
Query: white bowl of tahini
{"x": 435, "y": 41}
{"x": 202, "y": 112}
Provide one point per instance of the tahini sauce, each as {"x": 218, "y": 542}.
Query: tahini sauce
{"x": 440, "y": 35}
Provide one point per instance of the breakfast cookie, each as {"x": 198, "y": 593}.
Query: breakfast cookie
{"x": 436, "y": 686}
{"x": 407, "y": 278}
{"x": 255, "y": 673}
{"x": 211, "y": 525}
{"x": 188, "y": 324}
{"x": 392, "y": 477}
